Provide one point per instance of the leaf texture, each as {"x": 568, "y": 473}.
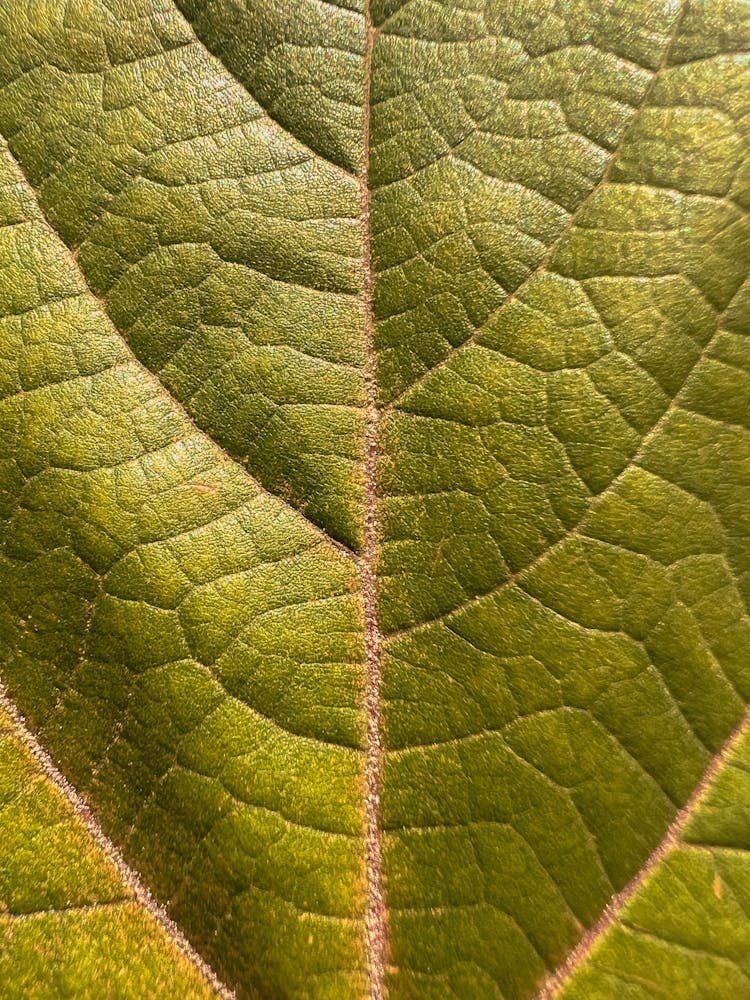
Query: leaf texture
{"x": 68, "y": 920}
{"x": 374, "y": 480}
{"x": 685, "y": 932}
{"x": 145, "y": 575}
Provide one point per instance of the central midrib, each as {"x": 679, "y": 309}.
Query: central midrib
{"x": 376, "y": 937}
{"x": 376, "y": 923}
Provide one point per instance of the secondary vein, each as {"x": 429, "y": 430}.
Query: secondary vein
{"x": 138, "y": 891}
{"x": 253, "y": 97}
{"x": 672, "y": 839}
{"x": 43, "y": 219}
{"x": 546, "y": 260}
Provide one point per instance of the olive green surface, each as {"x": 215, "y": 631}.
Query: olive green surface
{"x": 184, "y": 644}
{"x": 69, "y": 924}
{"x": 686, "y": 932}
{"x": 529, "y": 222}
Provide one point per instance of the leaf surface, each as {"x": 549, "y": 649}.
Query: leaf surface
{"x": 69, "y": 921}
{"x": 374, "y": 477}
{"x": 685, "y": 930}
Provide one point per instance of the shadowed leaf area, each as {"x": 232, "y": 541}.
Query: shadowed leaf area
{"x": 375, "y": 498}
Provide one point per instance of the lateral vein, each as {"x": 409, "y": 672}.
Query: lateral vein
{"x": 131, "y": 879}
{"x": 147, "y": 373}
{"x": 544, "y": 263}
{"x": 671, "y": 840}
{"x": 253, "y": 97}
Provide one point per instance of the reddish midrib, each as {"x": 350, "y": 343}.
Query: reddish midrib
{"x": 375, "y": 921}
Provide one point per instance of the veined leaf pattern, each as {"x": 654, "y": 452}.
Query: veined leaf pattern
{"x": 73, "y": 917}
{"x": 374, "y": 488}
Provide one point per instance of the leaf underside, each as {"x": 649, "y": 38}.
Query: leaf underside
{"x": 69, "y": 922}
{"x": 374, "y": 467}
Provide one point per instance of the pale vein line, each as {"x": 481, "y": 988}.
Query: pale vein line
{"x": 671, "y": 841}
{"x": 549, "y": 253}
{"x": 376, "y": 928}
{"x": 80, "y": 808}
{"x": 43, "y": 220}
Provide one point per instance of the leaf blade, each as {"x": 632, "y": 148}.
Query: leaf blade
{"x": 559, "y": 213}
{"x": 555, "y": 544}
{"x": 154, "y": 570}
{"x": 69, "y": 917}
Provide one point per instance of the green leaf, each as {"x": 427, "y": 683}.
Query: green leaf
{"x": 69, "y": 918}
{"x": 684, "y": 929}
{"x": 374, "y": 466}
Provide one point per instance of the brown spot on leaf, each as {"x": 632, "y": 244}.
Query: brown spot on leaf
{"x": 210, "y": 489}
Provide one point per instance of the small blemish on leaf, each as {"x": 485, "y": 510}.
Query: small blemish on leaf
{"x": 210, "y": 489}
{"x": 718, "y": 887}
